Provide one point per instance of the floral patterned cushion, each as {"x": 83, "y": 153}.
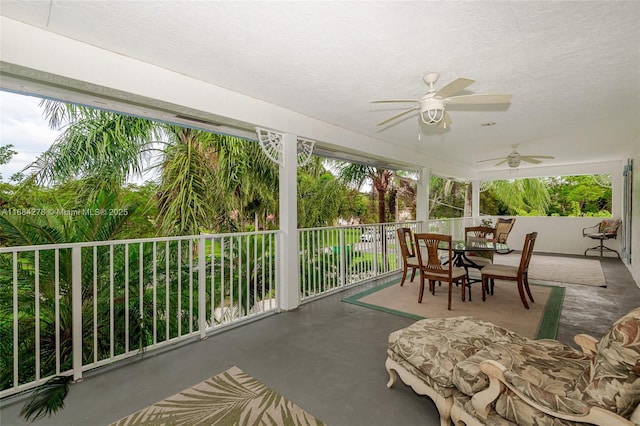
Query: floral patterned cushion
{"x": 542, "y": 361}
{"x": 613, "y": 380}
{"x": 435, "y": 346}
{"x": 609, "y": 226}
{"x": 493, "y": 419}
{"x": 444, "y": 391}
{"x": 510, "y": 406}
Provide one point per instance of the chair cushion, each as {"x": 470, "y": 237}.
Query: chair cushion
{"x": 413, "y": 261}
{"x": 597, "y": 236}
{"x": 493, "y": 419}
{"x": 528, "y": 357}
{"x": 445, "y": 391}
{"x": 609, "y": 226}
{"x": 500, "y": 270}
{"x": 613, "y": 380}
{"x": 456, "y": 272}
{"x": 545, "y": 371}
{"x": 435, "y": 346}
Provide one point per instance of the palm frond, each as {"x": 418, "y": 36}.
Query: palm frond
{"x": 47, "y": 399}
{"x": 94, "y": 143}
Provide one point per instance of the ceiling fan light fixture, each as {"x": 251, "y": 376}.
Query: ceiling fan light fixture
{"x": 431, "y": 110}
{"x": 513, "y": 161}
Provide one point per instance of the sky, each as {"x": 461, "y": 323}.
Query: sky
{"x": 23, "y": 125}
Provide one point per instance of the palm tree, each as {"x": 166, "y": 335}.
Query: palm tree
{"x": 355, "y": 175}
{"x": 203, "y": 176}
{"x": 320, "y": 195}
{"x": 352, "y": 174}
{"x": 109, "y": 148}
{"x": 53, "y": 228}
{"x": 521, "y": 196}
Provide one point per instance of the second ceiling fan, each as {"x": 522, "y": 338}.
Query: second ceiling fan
{"x": 431, "y": 106}
{"x": 514, "y": 158}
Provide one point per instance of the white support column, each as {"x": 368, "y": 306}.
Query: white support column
{"x": 475, "y": 201}
{"x": 288, "y": 287}
{"x": 422, "y": 198}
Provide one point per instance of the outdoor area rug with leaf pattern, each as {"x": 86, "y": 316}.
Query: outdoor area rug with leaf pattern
{"x": 230, "y": 398}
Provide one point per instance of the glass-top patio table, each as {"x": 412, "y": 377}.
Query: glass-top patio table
{"x": 460, "y": 258}
{"x": 461, "y": 248}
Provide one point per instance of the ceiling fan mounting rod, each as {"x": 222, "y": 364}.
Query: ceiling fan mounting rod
{"x": 430, "y": 79}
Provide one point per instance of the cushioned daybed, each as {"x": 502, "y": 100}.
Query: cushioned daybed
{"x": 478, "y": 373}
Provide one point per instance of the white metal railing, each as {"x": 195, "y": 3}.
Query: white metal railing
{"x": 68, "y": 308}
{"x": 333, "y": 258}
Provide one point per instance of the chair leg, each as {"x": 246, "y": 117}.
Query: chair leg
{"x": 450, "y": 288}
{"x": 521, "y": 291}
{"x": 421, "y": 288}
{"x": 601, "y": 249}
{"x": 482, "y": 284}
{"x": 464, "y": 292}
{"x": 404, "y": 275}
{"x": 526, "y": 287}
{"x": 413, "y": 274}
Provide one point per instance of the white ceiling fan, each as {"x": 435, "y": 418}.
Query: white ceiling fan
{"x": 432, "y": 104}
{"x": 514, "y": 158}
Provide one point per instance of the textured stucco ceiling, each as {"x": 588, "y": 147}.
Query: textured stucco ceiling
{"x": 573, "y": 67}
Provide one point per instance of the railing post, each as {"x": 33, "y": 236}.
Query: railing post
{"x": 76, "y": 310}
{"x": 343, "y": 256}
{"x": 202, "y": 293}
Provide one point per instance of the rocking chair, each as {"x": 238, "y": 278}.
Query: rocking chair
{"x": 503, "y": 227}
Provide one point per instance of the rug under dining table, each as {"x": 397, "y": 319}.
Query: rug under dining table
{"x": 503, "y": 308}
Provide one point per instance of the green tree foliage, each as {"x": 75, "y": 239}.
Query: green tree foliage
{"x": 447, "y": 198}
{"x": 523, "y": 197}
{"x": 553, "y": 196}
{"x": 355, "y": 175}
{"x": 6, "y": 153}
{"x": 577, "y": 196}
{"x": 320, "y": 195}
{"x": 207, "y": 181}
{"x": 95, "y": 144}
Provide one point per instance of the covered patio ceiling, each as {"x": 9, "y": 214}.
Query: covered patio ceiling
{"x": 573, "y": 69}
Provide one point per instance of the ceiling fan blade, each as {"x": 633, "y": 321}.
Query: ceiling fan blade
{"x": 454, "y": 87}
{"x": 397, "y": 116}
{"x": 394, "y": 100}
{"x": 535, "y": 159}
{"x": 491, "y": 159}
{"x": 530, "y": 160}
{"x": 500, "y": 98}
{"x": 501, "y": 162}
{"x": 546, "y": 157}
